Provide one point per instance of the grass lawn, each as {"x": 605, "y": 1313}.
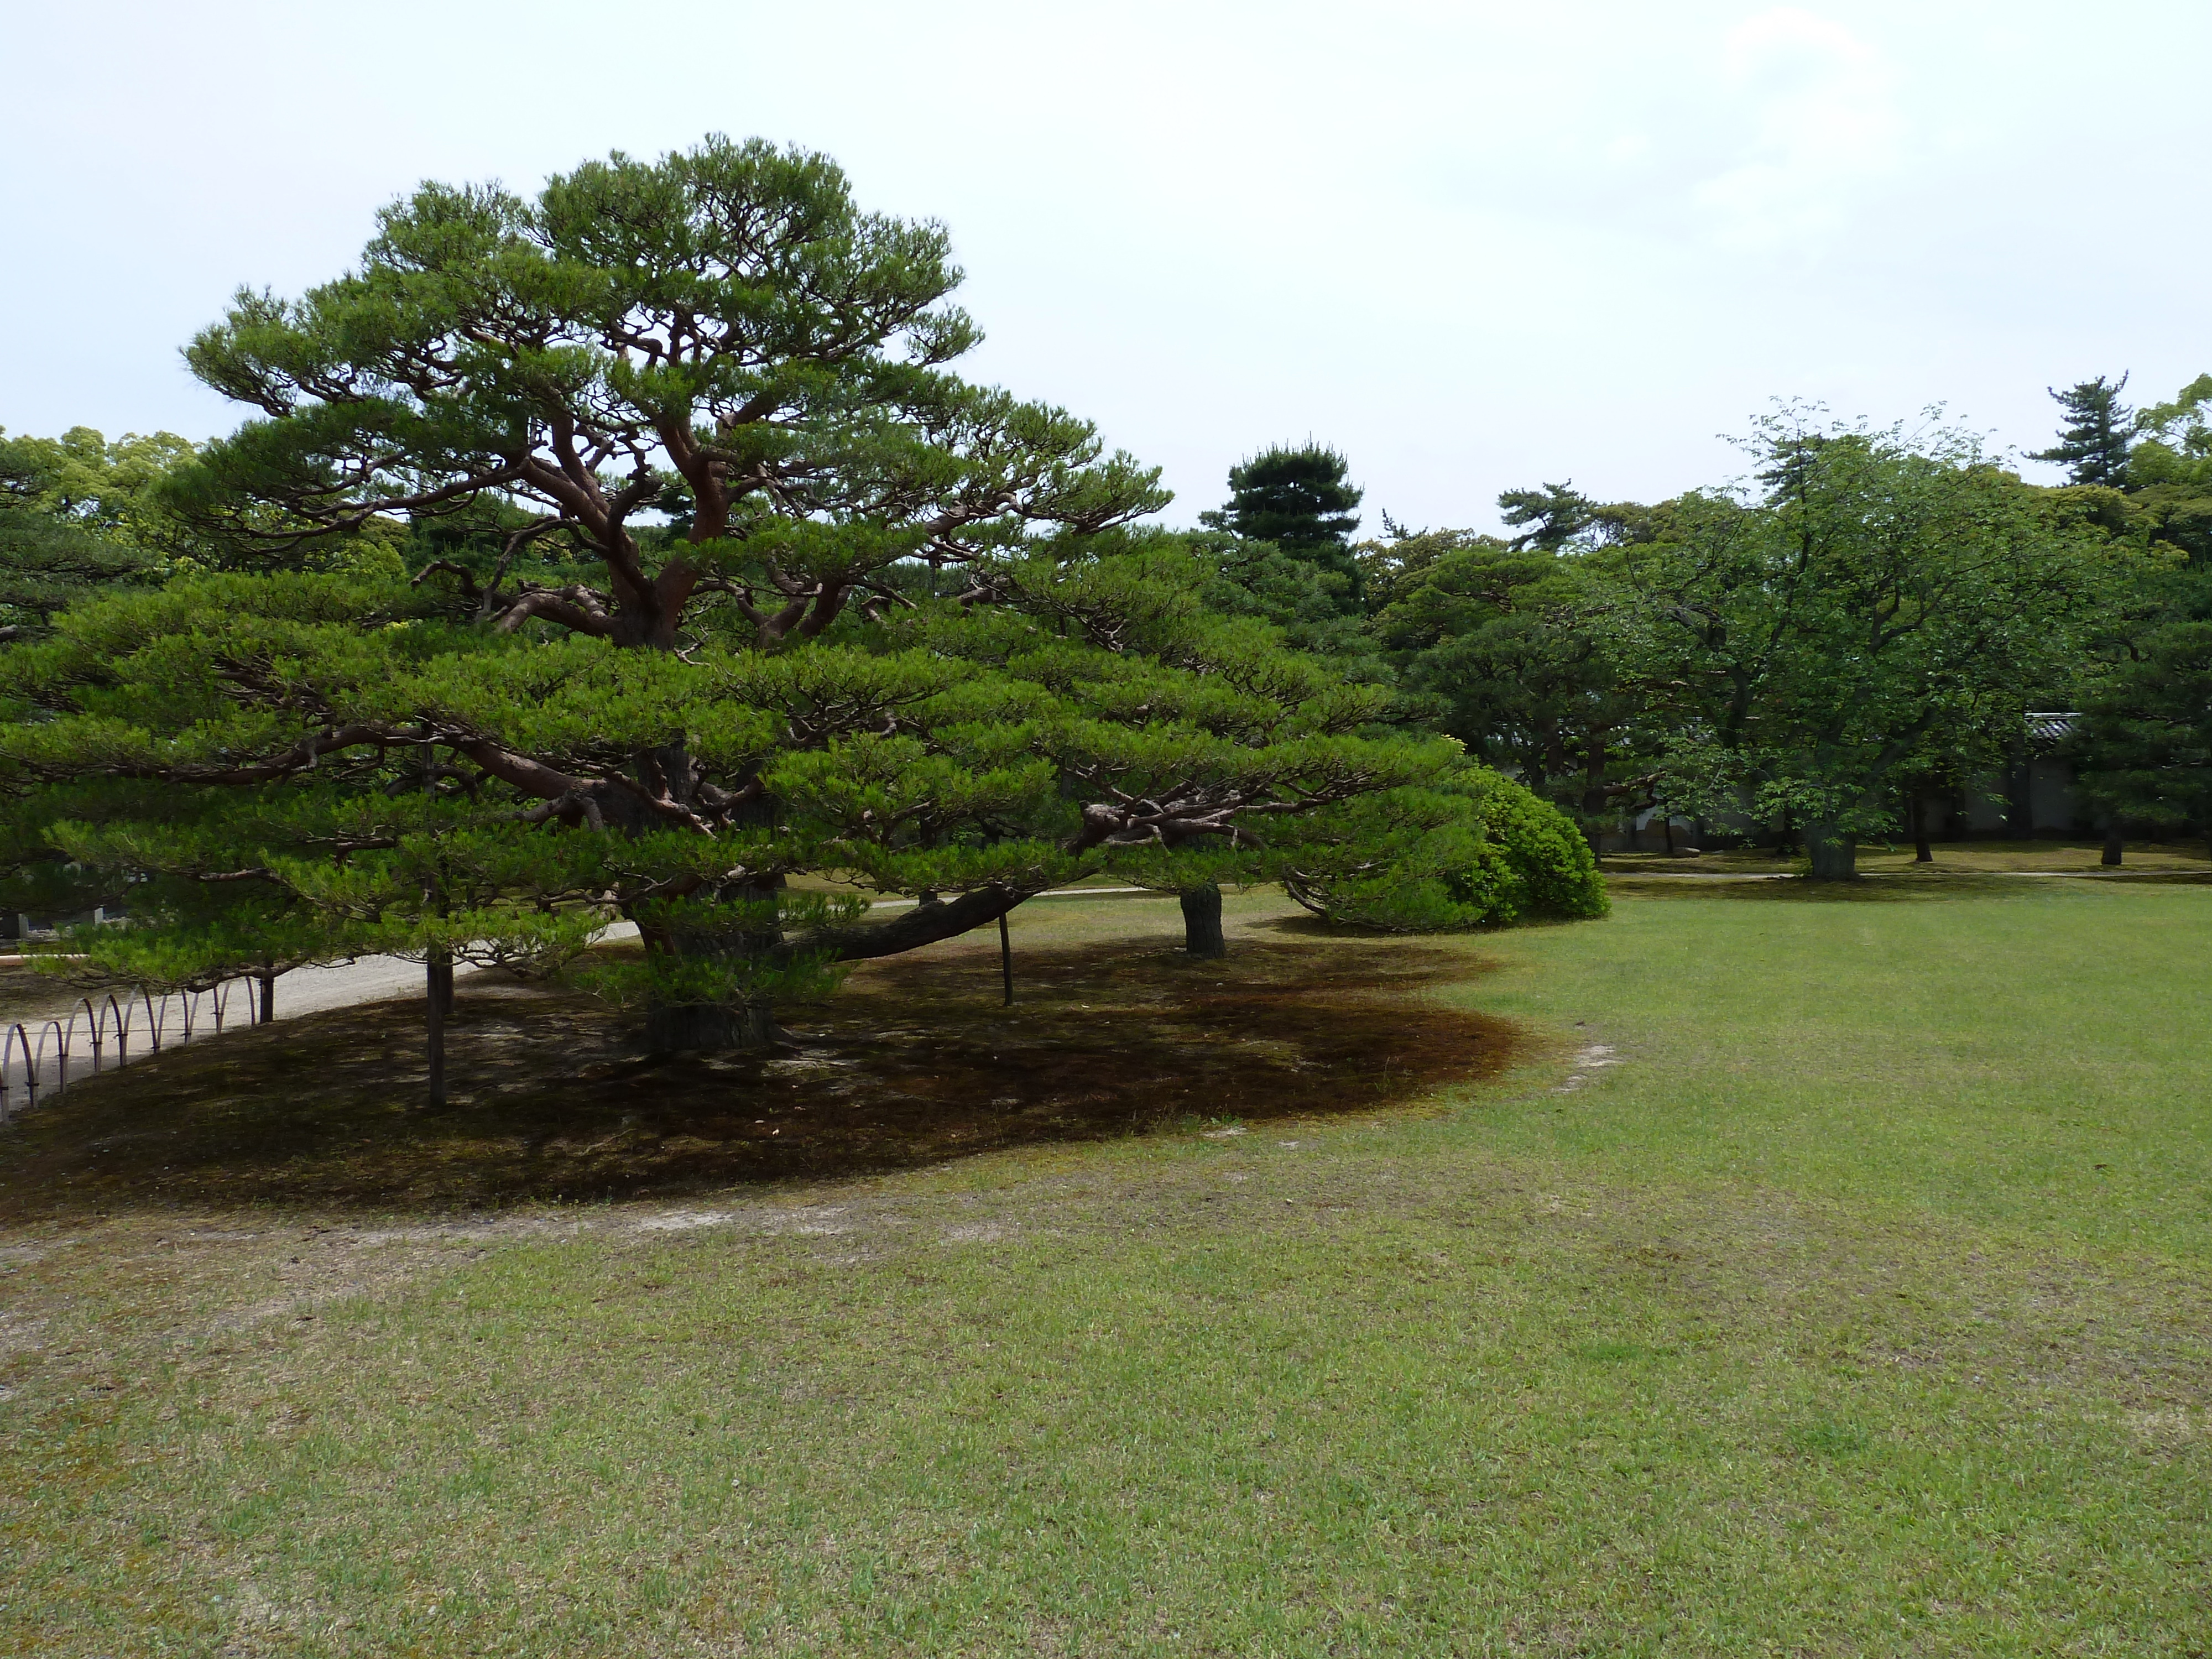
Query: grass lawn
{"x": 2069, "y": 857}
{"x": 1806, "y": 1277}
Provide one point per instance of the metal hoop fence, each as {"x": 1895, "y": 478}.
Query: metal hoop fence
{"x": 41, "y": 1058}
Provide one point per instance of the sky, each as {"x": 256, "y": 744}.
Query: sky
{"x": 1473, "y": 246}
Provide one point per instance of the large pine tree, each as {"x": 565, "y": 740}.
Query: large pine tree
{"x": 737, "y": 588}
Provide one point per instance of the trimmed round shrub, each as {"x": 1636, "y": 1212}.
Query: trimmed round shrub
{"x": 1474, "y": 850}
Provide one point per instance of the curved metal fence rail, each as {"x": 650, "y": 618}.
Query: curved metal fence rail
{"x": 41, "y": 1058}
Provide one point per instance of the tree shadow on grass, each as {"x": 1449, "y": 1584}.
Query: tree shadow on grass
{"x": 913, "y": 1062}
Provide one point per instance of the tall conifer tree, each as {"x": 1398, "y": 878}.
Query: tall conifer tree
{"x": 2093, "y": 444}
{"x": 1302, "y": 500}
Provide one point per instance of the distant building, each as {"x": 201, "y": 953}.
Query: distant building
{"x": 2035, "y": 797}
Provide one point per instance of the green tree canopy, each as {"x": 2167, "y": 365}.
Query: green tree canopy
{"x": 722, "y": 332}
{"x": 1518, "y": 654}
{"x": 1094, "y": 712}
{"x": 1869, "y": 601}
{"x": 2169, "y": 495}
{"x": 2144, "y": 748}
{"x": 1302, "y": 501}
{"x": 722, "y": 329}
{"x": 1548, "y": 518}
{"x": 733, "y": 583}
{"x": 2093, "y": 444}
{"x": 74, "y": 519}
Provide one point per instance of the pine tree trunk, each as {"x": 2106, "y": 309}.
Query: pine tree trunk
{"x": 674, "y": 1028}
{"x": 438, "y": 1000}
{"x": 2114, "y": 847}
{"x": 678, "y": 1028}
{"x": 1922, "y": 853}
{"x": 1594, "y": 799}
{"x": 268, "y": 995}
{"x": 1201, "y": 922}
{"x": 1834, "y": 855}
{"x": 742, "y": 1023}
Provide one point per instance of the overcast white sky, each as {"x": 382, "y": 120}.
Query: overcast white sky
{"x": 1473, "y": 246}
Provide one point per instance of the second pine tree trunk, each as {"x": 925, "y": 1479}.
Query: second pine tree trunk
{"x": 1201, "y": 922}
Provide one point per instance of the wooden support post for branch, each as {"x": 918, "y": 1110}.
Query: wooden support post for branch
{"x": 1006, "y": 957}
{"x": 438, "y": 999}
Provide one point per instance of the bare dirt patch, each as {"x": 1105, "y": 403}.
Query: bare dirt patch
{"x": 913, "y": 1062}
{"x": 1595, "y": 1057}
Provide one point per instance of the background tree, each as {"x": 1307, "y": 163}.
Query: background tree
{"x": 73, "y": 520}
{"x": 1515, "y": 648}
{"x": 2168, "y": 495}
{"x": 109, "y": 486}
{"x": 1302, "y": 501}
{"x": 1518, "y": 654}
{"x": 1550, "y": 519}
{"x": 1310, "y": 605}
{"x": 2093, "y": 444}
{"x": 1864, "y": 596}
{"x": 2143, "y": 748}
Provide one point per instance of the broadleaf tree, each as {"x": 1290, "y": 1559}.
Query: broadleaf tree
{"x": 1518, "y": 653}
{"x": 1869, "y": 605}
{"x": 73, "y": 520}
